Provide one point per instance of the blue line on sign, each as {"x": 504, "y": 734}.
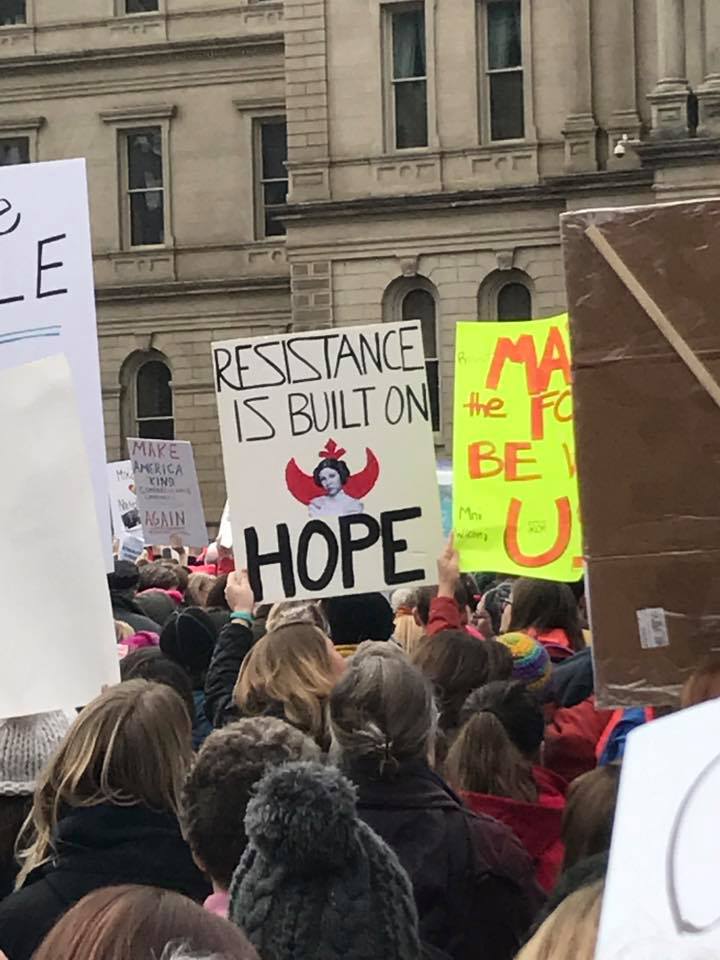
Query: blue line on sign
{"x": 32, "y": 333}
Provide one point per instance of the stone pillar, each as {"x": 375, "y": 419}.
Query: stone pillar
{"x": 624, "y": 119}
{"x": 669, "y": 98}
{"x": 709, "y": 93}
{"x": 580, "y": 127}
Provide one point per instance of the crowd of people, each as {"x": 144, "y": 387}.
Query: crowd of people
{"x": 419, "y": 776}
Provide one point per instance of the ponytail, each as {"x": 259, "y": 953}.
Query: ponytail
{"x": 484, "y": 759}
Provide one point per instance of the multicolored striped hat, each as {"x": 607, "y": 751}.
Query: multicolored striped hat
{"x": 531, "y": 662}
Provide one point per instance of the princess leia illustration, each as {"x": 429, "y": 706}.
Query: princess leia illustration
{"x": 331, "y": 490}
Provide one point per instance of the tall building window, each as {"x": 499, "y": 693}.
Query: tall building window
{"x": 514, "y": 302}
{"x": 14, "y": 150}
{"x": 145, "y": 188}
{"x": 409, "y": 77}
{"x": 505, "y": 69}
{"x": 12, "y": 12}
{"x": 154, "y": 401}
{"x": 273, "y": 181}
{"x": 141, "y": 6}
{"x": 420, "y": 305}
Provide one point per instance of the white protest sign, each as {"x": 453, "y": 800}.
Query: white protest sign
{"x": 131, "y": 548}
{"x": 661, "y": 896}
{"x": 167, "y": 491}
{"x": 224, "y": 537}
{"x": 47, "y": 294}
{"x": 57, "y": 646}
{"x": 329, "y": 460}
{"x": 123, "y": 502}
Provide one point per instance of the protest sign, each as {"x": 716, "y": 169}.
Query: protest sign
{"x": 57, "y": 640}
{"x": 224, "y": 537}
{"x": 661, "y": 894}
{"x": 515, "y": 502}
{"x": 329, "y": 460}
{"x": 47, "y": 294}
{"x": 445, "y": 486}
{"x": 168, "y": 494}
{"x": 123, "y": 502}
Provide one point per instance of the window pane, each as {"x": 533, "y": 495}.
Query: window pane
{"x": 420, "y": 305}
{"x": 145, "y": 167}
{"x": 408, "y": 29}
{"x": 141, "y": 6}
{"x": 274, "y": 227}
{"x": 156, "y": 429}
{"x": 275, "y": 193}
{"x": 274, "y": 151}
{"x": 411, "y": 127}
{"x": 147, "y": 218}
{"x": 504, "y": 35}
{"x": 507, "y": 107}
{"x": 154, "y": 390}
{"x": 12, "y": 12}
{"x": 432, "y": 369}
{"x": 514, "y": 302}
{"x": 15, "y": 150}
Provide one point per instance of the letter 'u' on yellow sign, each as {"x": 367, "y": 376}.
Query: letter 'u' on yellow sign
{"x": 515, "y": 487}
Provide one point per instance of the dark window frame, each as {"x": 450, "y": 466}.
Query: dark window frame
{"x": 265, "y": 183}
{"x": 498, "y": 77}
{"x": 130, "y": 191}
{"x": 407, "y": 78}
{"x": 143, "y": 420}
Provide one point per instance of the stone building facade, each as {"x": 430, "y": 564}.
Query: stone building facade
{"x": 425, "y": 148}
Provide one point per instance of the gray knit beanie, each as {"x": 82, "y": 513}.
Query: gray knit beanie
{"x": 26, "y": 745}
{"x": 315, "y": 881}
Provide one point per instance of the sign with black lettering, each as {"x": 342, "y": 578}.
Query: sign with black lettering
{"x": 168, "y": 495}
{"x": 47, "y": 295}
{"x": 329, "y": 460}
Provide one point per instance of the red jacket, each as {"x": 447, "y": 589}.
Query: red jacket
{"x": 538, "y": 826}
{"x": 571, "y": 738}
{"x": 445, "y": 615}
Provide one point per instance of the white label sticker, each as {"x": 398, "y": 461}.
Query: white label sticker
{"x": 652, "y": 625}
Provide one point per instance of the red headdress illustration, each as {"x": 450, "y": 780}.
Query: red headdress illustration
{"x": 331, "y": 489}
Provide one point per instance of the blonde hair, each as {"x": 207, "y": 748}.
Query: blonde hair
{"x": 123, "y": 631}
{"x": 131, "y": 745}
{"x": 286, "y": 612}
{"x": 291, "y": 667}
{"x": 198, "y": 589}
{"x": 407, "y": 633}
{"x": 571, "y": 931}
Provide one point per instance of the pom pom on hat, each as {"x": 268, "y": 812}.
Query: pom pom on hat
{"x": 531, "y": 661}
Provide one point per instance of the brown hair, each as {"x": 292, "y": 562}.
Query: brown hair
{"x": 131, "y": 745}
{"x": 544, "y": 605}
{"x": 455, "y": 663}
{"x": 198, "y": 589}
{"x": 289, "y": 667}
{"x": 221, "y": 782}
{"x": 703, "y": 684}
{"x": 125, "y": 923}
{"x": 382, "y": 712}
{"x": 571, "y": 931}
{"x": 589, "y": 814}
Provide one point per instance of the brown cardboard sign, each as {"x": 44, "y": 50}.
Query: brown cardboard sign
{"x": 644, "y": 296}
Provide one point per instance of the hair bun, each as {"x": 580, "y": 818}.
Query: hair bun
{"x": 303, "y": 817}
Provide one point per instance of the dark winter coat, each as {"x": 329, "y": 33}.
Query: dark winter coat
{"x": 233, "y": 644}
{"x": 474, "y": 883}
{"x": 126, "y": 610}
{"x": 98, "y": 847}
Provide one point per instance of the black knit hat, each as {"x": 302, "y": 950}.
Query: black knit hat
{"x": 315, "y": 881}
{"x": 189, "y": 638}
{"x": 358, "y": 617}
{"x": 124, "y": 576}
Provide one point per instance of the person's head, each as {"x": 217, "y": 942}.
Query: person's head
{"x": 502, "y": 731}
{"x": 500, "y": 661}
{"x": 296, "y": 611}
{"x": 131, "y": 745}
{"x": 543, "y": 605}
{"x": 293, "y": 668}
{"x": 590, "y": 814}
{"x": 159, "y": 576}
{"x": 494, "y": 604}
{"x": 134, "y": 922}
{"x": 382, "y": 714}
{"x": 531, "y": 663}
{"x": 703, "y": 684}
{"x": 331, "y": 475}
{"x": 216, "y": 597}
{"x": 231, "y": 762}
{"x": 455, "y": 663}
{"x": 426, "y": 595}
{"x": 189, "y": 638}
{"x": 403, "y": 600}
{"x": 316, "y": 881}
{"x": 158, "y": 605}
{"x": 124, "y": 577}
{"x": 358, "y": 617}
{"x": 198, "y": 589}
{"x": 150, "y": 663}
{"x": 571, "y": 931}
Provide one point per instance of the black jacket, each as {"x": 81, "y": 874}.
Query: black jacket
{"x": 573, "y": 680}
{"x": 126, "y": 610}
{"x": 98, "y": 847}
{"x": 474, "y": 883}
{"x": 233, "y": 644}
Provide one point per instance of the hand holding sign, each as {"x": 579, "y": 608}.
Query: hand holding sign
{"x": 238, "y": 592}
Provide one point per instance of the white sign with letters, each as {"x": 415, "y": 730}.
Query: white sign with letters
{"x": 329, "y": 460}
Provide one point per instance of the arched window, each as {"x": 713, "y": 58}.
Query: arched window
{"x": 514, "y": 302}
{"x": 154, "y": 401}
{"x": 419, "y": 304}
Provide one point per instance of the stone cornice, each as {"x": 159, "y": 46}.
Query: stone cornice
{"x": 666, "y": 153}
{"x": 168, "y": 290}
